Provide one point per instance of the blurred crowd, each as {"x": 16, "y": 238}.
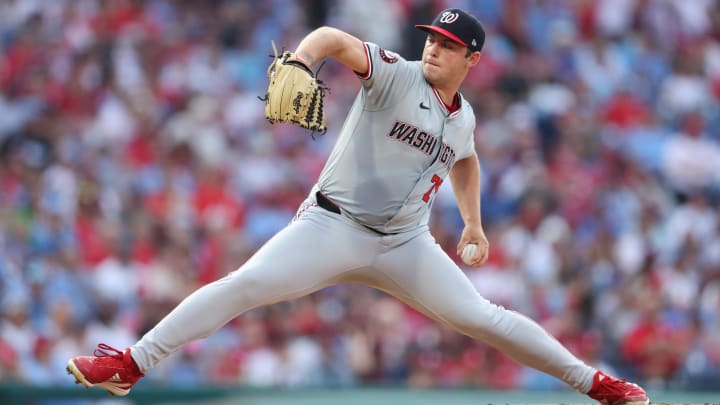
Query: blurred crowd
{"x": 136, "y": 166}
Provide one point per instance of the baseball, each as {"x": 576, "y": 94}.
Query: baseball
{"x": 468, "y": 252}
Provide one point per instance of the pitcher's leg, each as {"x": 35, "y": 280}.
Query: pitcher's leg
{"x": 287, "y": 266}
{"x": 425, "y": 277}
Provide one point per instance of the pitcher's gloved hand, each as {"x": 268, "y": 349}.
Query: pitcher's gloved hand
{"x": 294, "y": 94}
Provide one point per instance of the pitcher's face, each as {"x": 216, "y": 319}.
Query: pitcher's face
{"x": 444, "y": 60}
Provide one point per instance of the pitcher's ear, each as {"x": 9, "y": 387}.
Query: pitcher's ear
{"x": 474, "y": 58}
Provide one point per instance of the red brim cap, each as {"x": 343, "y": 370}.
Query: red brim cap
{"x": 442, "y": 31}
{"x": 459, "y": 27}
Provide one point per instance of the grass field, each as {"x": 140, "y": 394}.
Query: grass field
{"x": 439, "y": 397}
{"x": 24, "y": 395}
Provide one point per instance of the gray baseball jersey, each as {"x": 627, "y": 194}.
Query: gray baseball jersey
{"x": 396, "y": 147}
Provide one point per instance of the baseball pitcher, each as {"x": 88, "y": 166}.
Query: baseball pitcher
{"x": 407, "y": 132}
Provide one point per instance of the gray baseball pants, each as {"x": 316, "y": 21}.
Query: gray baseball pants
{"x": 320, "y": 248}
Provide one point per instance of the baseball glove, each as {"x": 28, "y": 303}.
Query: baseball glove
{"x": 294, "y": 93}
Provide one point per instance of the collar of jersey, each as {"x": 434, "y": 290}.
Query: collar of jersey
{"x": 442, "y": 103}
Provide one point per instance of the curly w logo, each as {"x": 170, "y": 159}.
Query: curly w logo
{"x": 449, "y": 17}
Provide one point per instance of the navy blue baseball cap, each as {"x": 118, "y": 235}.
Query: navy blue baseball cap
{"x": 459, "y": 26}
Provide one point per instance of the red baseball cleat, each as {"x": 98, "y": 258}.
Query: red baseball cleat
{"x": 108, "y": 368}
{"x": 609, "y": 390}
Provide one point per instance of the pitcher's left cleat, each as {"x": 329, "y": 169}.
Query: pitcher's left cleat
{"x": 609, "y": 390}
{"x": 107, "y": 368}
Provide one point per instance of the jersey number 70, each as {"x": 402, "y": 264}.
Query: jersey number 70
{"x": 436, "y": 182}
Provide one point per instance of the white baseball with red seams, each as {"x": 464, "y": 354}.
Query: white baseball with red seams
{"x": 468, "y": 253}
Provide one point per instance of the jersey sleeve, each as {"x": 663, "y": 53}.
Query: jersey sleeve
{"x": 469, "y": 148}
{"x": 469, "y": 123}
{"x": 387, "y": 79}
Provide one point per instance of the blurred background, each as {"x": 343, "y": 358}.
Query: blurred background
{"x": 136, "y": 166}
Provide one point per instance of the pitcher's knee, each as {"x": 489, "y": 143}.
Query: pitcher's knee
{"x": 480, "y": 319}
{"x": 246, "y": 288}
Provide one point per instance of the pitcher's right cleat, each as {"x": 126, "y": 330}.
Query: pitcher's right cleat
{"x": 609, "y": 390}
{"x": 107, "y": 368}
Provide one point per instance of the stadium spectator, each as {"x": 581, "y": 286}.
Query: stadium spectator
{"x": 133, "y": 152}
